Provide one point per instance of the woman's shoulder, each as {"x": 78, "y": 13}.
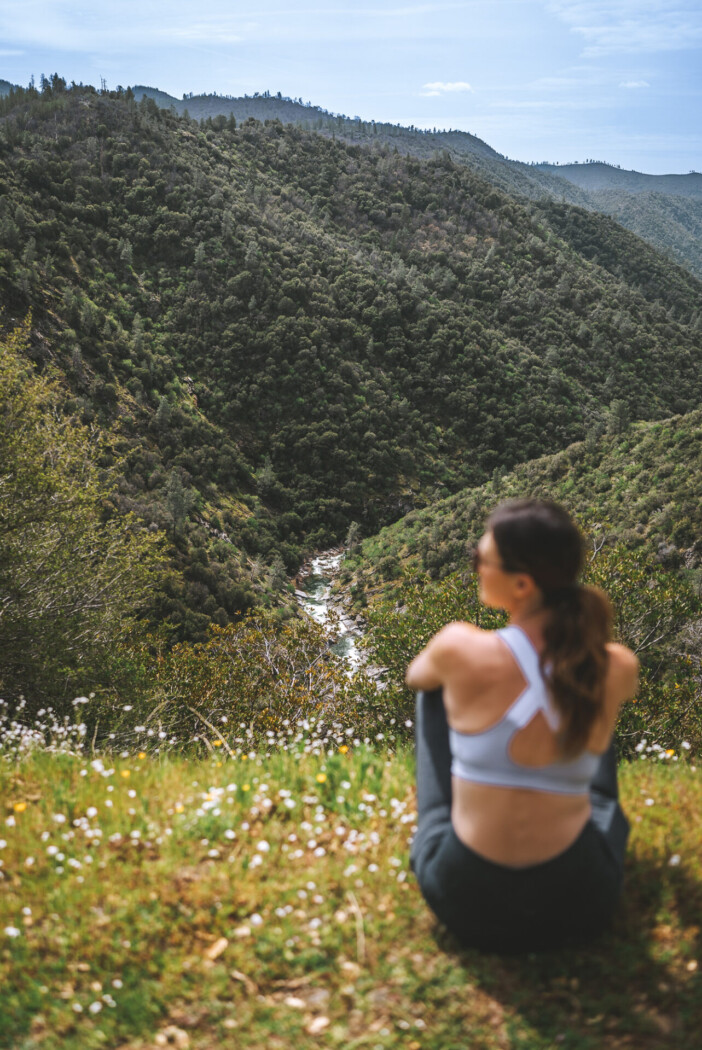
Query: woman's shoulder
{"x": 623, "y": 669}
{"x": 462, "y": 630}
{"x": 464, "y": 641}
{"x": 621, "y": 658}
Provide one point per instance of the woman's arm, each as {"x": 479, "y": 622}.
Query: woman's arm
{"x": 623, "y": 673}
{"x": 431, "y": 668}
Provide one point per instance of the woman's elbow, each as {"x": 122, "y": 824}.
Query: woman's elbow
{"x": 409, "y": 676}
{"x": 421, "y": 676}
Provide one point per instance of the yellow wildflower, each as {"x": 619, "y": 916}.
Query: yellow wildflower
{"x": 343, "y": 749}
{"x": 321, "y": 777}
{"x": 125, "y": 772}
{"x": 142, "y": 754}
{"x": 19, "y": 807}
{"x": 217, "y": 743}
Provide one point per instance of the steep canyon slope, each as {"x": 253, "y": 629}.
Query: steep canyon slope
{"x": 289, "y": 333}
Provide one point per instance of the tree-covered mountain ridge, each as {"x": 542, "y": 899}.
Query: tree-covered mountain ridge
{"x": 290, "y": 333}
{"x": 659, "y": 216}
{"x": 596, "y": 175}
{"x": 638, "y": 485}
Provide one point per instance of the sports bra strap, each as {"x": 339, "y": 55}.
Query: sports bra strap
{"x": 535, "y": 696}
{"x": 523, "y": 651}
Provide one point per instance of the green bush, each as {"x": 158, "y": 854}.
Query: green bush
{"x": 250, "y": 684}
{"x": 73, "y": 576}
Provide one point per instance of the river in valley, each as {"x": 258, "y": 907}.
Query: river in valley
{"x": 315, "y": 598}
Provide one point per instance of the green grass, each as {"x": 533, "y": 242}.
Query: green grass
{"x": 344, "y": 952}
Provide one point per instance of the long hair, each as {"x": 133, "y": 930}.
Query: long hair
{"x": 538, "y": 537}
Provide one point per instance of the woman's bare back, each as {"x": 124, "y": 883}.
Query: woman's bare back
{"x": 516, "y": 826}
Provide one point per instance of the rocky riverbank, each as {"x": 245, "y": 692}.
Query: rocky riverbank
{"x": 313, "y": 591}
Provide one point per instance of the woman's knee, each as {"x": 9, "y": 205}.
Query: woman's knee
{"x": 423, "y": 853}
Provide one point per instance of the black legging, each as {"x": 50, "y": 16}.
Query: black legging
{"x": 487, "y": 905}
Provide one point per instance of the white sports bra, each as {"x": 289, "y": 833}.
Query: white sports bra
{"x": 484, "y": 757}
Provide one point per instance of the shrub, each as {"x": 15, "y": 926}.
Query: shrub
{"x": 73, "y": 576}
{"x": 247, "y": 685}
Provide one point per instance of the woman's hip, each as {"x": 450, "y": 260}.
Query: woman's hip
{"x": 495, "y": 907}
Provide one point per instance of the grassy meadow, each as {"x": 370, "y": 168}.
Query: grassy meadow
{"x": 266, "y": 901}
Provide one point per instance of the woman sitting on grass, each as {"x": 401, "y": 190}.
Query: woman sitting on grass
{"x": 520, "y": 841}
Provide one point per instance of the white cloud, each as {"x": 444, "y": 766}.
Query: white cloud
{"x": 440, "y": 87}
{"x": 205, "y": 32}
{"x": 584, "y": 102}
{"x": 557, "y": 82}
{"x": 632, "y": 26}
{"x": 634, "y": 84}
{"x": 78, "y": 25}
{"x": 84, "y": 26}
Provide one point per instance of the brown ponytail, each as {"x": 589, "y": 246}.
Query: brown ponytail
{"x": 539, "y": 538}
{"x": 574, "y": 659}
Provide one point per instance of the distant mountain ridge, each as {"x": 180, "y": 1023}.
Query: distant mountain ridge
{"x": 594, "y": 176}
{"x": 290, "y": 111}
{"x": 656, "y": 215}
{"x": 645, "y": 204}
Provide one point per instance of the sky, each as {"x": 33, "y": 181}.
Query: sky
{"x": 538, "y": 80}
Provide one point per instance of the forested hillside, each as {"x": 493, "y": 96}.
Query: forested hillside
{"x": 665, "y": 210}
{"x": 289, "y": 333}
{"x": 265, "y": 106}
{"x": 651, "y": 206}
{"x": 673, "y": 224}
{"x": 639, "y": 485}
